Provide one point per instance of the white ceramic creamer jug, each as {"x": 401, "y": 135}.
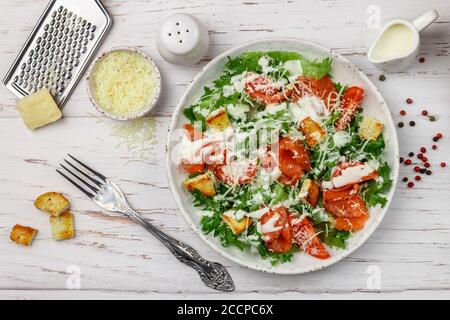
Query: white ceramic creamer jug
{"x": 398, "y": 43}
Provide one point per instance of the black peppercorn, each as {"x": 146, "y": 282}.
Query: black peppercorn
{"x": 412, "y": 123}
{"x": 401, "y": 124}
{"x": 428, "y": 172}
{"x": 405, "y": 179}
{"x": 411, "y": 154}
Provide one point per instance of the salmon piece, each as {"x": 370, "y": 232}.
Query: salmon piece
{"x": 279, "y": 241}
{"x": 340, "y": 193}
{"x": 305, "y": 236}
{"x": 351, "y": 224}
{"x": 293, "y": 160}
{"x": 348, "y": 208}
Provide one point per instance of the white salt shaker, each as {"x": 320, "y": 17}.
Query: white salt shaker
{"x": 182, "y": 39}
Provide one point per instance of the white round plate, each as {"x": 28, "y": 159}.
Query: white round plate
{"x": 344, "y": 72}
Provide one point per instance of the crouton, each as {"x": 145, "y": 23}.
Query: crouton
{"x": 218, "y": 119}
{"x": 62, "y": 226}
{"x": 237, "y": 226}
{"x": 370, "y": 128}
{"x": 309, "y": 192}
{"x": 203, "y": 183}
{"x": 53, "y": 203}
{"x": 314, "y": 134}
{"x": 22, "y": 235}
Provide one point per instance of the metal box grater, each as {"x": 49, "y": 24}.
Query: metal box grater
{"x": 59, "y": 48}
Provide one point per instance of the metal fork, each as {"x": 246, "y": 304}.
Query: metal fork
{"x": 109, "y": 196}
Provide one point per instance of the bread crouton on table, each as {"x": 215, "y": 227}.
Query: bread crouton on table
{"x": 22, "y": 235}
{"x": 53, "y": 203}
{"x": 62, "y": 226}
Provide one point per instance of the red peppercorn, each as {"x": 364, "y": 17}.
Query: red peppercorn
{"x": 423, "y": 150}
{"x": 409, "y": 101}
{"x": 402, "y": 112}
{"x": 420, "y": 156}
{"x": 424, "y": 159}
{"x": 418, "y": 178}
{"x": 421, "y": 59}
{"x": 424, "y": 112}
{"x": 410, "y": 184}
{"x": 426, "y": 165}
{"x": 439, "y": 136}
{"x": 407, "y": 162}
{"x": 434, "y": 147}
{"x": 416, "y": 168}
{"x": 443, "y": 164}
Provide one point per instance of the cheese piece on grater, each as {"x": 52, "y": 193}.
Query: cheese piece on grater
{"x": 38, "y": 109}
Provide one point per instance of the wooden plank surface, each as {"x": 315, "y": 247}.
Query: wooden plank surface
{"x": 117, "y": 259}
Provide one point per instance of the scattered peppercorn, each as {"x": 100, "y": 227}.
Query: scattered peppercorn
{"x": 435, "y": 139}
{"x": 410, "y": 184}
{"x": 439, "y": 136}
{"x": 412, "y": 123}
{"x": 434, "y": 147}
{"x": 407, "y": 162}
{"x": 409, "y": 101}
{"x": 424, "y": 159}
{"x": 443, "y": 164}
{"x": 402, "y": 112}
{"x": 402, "y": 159}
{"x": 423, "y": 150}
{"x": 421, "y": 59}
{"x": 423, "y": 170}
{"x": 420, "y": 156}
{"x": 401, "y": 124}
{"x": 428, "y": 172}
{"x": 418, "y": 178}
{"x": 424, "y": 112}
{"x": 411, "y": 154}
{"x": 382, "y": 77}
{"x": 426, "y": 164}
{"x": 405, "y": 179}
{"x": 432, "y": 118}
{"x": 416, "y": 168}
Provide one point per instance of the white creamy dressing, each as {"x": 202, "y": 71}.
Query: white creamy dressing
{"x": 341, "y": 138}
{"x": 238, "y": 111}
{"x": 349, "y": 175}
{"x": 294, "y": 67}
{"x": 396, "y": 41}
{"x": 235, "y": 214}
{"x": 308, "y": 106}
{"x": 269, "y": 226}
{"x": 274, "y": 108}
{"x": 258, "y": 213}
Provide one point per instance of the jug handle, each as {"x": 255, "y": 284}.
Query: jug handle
{"x": 425, "y": 20}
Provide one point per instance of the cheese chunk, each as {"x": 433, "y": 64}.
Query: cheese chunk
{"x": 62, "y": 226}
{"x": 38, "y": 109}
{"x": 22, "y": 235}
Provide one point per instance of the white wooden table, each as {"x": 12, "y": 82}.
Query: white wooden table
{"x": 118, "y": 259}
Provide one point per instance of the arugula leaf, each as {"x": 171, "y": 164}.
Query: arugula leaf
{"x": 335, "y": 238}
{"x": 279, "y": 193}
{"x": 375, "y": 148}
{"x": 276, "y": 258}
{"x": 317, "y": 68}
{"x": 375, "y": 191}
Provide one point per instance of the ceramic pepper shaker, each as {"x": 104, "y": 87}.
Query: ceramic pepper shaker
{"x": 182, "y": 39}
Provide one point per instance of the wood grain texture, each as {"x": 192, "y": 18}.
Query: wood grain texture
{"x": 120, "y": 260}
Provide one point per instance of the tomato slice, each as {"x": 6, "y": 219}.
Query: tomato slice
{"x": 351, "y": 224}
{"x": 351, "y": 101}
{"x": 192, "y": 133}
{"x": 323, "y": 88}
{"x": 279, "y": 241}
{"x": 293, "y": 160}
{"x": 348, "y": 208}
{"x": 342, "y": 193}
{"x": 192, "y": 167}
{"x": 261, "y": 89}
{"x": 305, "y": 236}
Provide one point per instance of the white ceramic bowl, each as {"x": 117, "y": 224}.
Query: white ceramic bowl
{"x": 144, "y": 111}
{"x": 343, "y": 72}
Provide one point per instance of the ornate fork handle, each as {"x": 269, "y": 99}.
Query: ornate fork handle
{"x": 213, "y": 274}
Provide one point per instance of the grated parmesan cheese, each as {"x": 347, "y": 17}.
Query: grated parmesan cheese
{"x": 123, "y": 82}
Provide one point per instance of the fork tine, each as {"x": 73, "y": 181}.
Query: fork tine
{"x": 90, "y": 169}
{"x": 90, "y": 195}
{"x": 84, "y": 174}
{"x": 80, "y": 179}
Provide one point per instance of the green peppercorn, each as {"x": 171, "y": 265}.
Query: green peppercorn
{"x": 382, "y": 77}
{"x": 401, "y": 124}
